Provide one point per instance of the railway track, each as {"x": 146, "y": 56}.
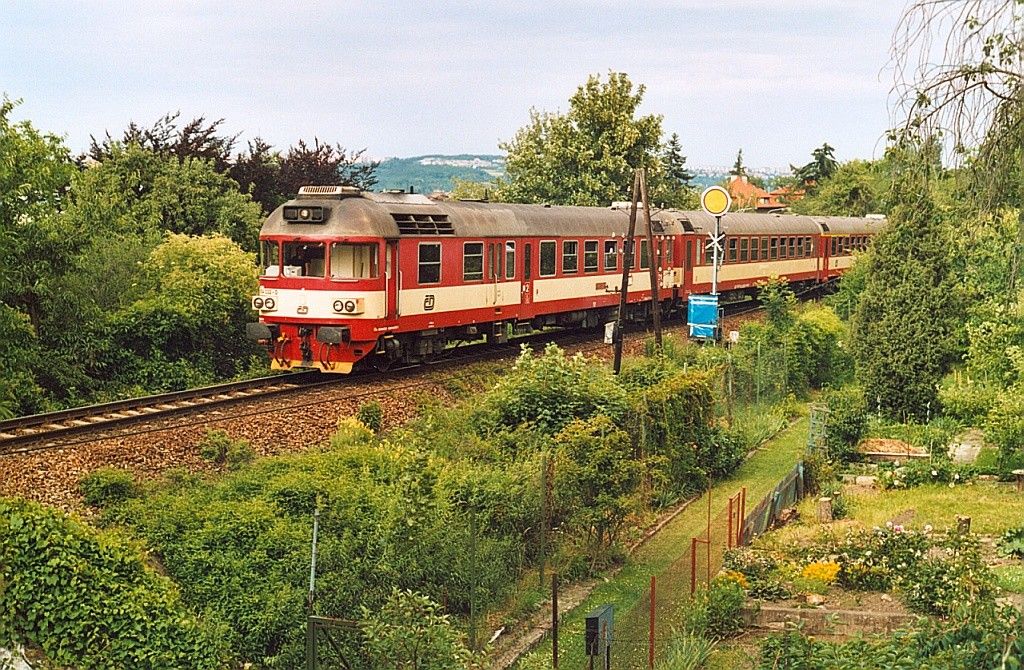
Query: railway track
{"x": 84, "y": 424}
{"x": 53, "y": 427}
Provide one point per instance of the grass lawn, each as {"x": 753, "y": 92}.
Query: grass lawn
{"x": 628, "y": 588}
{"x": 1010, "y": 577}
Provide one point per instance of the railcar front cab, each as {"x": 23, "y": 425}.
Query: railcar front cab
{"x": 320, "y": 296}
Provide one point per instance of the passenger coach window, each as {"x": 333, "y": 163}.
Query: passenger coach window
{"x": 354, "y": 261}
{"x": 743, "y": 250}
{"x": 270, "y": 252}
{"x": 304, "y": 259}
{"x": 547, "y": 259}
{"x": 570, "y": 256}
{"x": 590, "y": 256}
{"x": 472, "y": 261}
{"x": 611, "y": 258}
{"x": 755, "y": 248}
{"x": 792, "y": 247}
{"x": 774, "y": 248}
{"x": 510, "y": 260}
{"x": 732, "y": 250}
{"x": 430, "y": 264}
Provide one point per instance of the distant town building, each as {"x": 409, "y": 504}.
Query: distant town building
{"x": 746, "y": 195}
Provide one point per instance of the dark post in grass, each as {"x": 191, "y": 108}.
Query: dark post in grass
{"x": 627, "y": 262}
{"x": 654, "y": 261}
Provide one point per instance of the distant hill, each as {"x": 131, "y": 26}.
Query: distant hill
{"x": 436, "y": 172}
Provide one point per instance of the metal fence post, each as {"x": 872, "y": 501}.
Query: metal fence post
{"x": 650, "y": 635}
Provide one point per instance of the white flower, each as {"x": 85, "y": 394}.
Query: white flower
{"x": 951, "y": 485}
{"x": 888, "y": 524}
{"x": 956, "y": 476}
{"x": 935, "y": 473}
{"x": 927, "y": 528}
{"x": 895, "y": 464}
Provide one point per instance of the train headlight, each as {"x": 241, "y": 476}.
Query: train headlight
{"x": 339, "y": 306}
{"x": 350, "y": 305}
{"x": 269, "y": 303}
{"x": 257, "y": 303}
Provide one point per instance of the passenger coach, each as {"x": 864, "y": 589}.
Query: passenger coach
{"x": 387, "y": 277}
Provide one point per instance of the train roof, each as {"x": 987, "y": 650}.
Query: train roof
{"x": 350, "y": 213}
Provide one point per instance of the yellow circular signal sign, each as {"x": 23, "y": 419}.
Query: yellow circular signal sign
{"x": 715, "y": 200}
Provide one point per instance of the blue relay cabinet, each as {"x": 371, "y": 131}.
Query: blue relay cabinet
{"x": 702, "y": 316}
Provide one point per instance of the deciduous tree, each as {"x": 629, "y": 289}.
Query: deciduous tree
{"x": 587, "y": 155}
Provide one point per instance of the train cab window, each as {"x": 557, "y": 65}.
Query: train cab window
{"x": 688, "y": 256}
{"x": 472, "y": 261}
{"x": 305, "y": 259}
{"x": 774, "y": 248}
{"x": 732, "y": 251}
{"x": 429, "y": 263}
{"x": 270, "y": 255}
{"x": 590, "y": 256}
{"x": 669, "y": 254}
{"x": 744, "y": 252}
{"x": 510, "y": 260}
{"x": 645, "y": 255}
{"x": 354, "y": 261}
{"x": 570, "y": 256}
{"x": 832, "y": 246}
{"x": 547, "y": 258}
{"x": 611, "y": 256}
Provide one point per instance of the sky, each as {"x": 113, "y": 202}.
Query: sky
{"x": 776, "y": 78}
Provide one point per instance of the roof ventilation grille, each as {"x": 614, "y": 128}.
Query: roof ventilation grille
{"x": 329, "y": 191}
{"x": 423, "y": 224}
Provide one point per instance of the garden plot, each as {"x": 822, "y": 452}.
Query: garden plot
{"x": 896, "y": 570}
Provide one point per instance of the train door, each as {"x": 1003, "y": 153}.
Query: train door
{"x": 527, "y": 294}
{"x": 391, "y": 279}
{"x": 493, "y": 273}
{"x": 687, "y": 266}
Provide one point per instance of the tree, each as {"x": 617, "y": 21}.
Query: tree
{"x": 258, "y": 173}
{"x": 324, "y": 164}
{"x": 738, "y": 168}
{"x": 675, "y": 189}
{"x": 187, "y": 326}
{"x": 905, "y": 325}
{"x": 822, "y": 166}
{"x": 198, "y": 139}
{"x": 588, "y": 155}
{"x": 465, "y": 189}
{"x": 856, "y": 188}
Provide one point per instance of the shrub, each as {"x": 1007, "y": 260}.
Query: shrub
{"x": 940, "y": 584}
{"x": 846, "y": 422}
{"x": 106, "y": 486}
{"x": 220, "y": 449}
{"x": 871, "y": 560}
{"x": 1011, "y": 543}
{"x": 239, "y": 454}
{"x": 88, "y": 601}
{"x": 550, "y": 391}
{"x": 411, "y": 631}
{"x": 1004, "y": 424}
{"x": 351, "y": 431}
{"x": 919, "y": 471}
{"x": 966, "y": 401}
{"x": 715, "y": 610}
{"x": 686, "y": 651}
{"x": 371, "y": 415}
{"x": 596, "y": 477}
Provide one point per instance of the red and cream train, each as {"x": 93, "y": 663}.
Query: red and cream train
{"x": 348, "y": 276}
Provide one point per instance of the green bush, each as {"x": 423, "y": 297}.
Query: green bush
{"x": 846, "y": 422}
{"x": 371, "y": 415}
{"x": 88, "y": 601}
{"x": 918, "y": 472}
{"x": 686, "y": 651}
{"x": 965, "y": 401}
{"x": 715, "y": 611}
{"x": 105, "y": 486}
{"x": 550, "y": 391}
{"x": 1004, "y": 424}
{"x": 220, "y": 449}
{"x": 411, "y": 631}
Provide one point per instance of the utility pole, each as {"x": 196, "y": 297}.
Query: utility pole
{"x": 627, "y": 263}
{"x": 655, "y": 262}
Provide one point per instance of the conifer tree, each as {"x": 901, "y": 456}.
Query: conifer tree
{"x": 905, "y": 326}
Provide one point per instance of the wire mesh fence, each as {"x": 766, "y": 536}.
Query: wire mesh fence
{"x": 644, "y": 632}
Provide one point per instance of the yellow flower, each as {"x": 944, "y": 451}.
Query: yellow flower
{"x": 737, "y": 577}
{"x": 824, "y": 572}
